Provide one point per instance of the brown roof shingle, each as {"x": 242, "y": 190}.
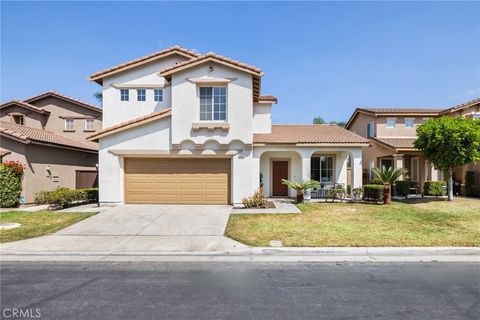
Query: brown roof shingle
{"x": 403, "y": 110}
{"x": 27, "y": 135}
{"x": 131, "y": 123}
{"x": 145, "y": 59}
{"x": 308, "y": 134}
{"x": 65, "y": 98}
{"x": 214, "y": 57}
{"x": 397, "y": 143}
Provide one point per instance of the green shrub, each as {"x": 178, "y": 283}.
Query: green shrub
{"x": 65, "y": 197}
{"x": 258, "y": 200}
{"x": 475, "y": 191}
{"x": 376, "y": 181}
{"x": 373, "y": 192}
{"x": 402, "y": 188}
{"x": 434, "y": 188}
{"x": 11, "y": 175}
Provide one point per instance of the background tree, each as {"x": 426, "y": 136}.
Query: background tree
{"x": 318, "y": 120}
{"x": 342, "y": 124}
{"x": 98, "y": 95}
{"x": 448, "y": 143}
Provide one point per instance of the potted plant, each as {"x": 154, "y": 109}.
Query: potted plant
{"x": 301, "y": 187}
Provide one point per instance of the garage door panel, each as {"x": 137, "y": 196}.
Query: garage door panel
{"x": 182, "y": 181}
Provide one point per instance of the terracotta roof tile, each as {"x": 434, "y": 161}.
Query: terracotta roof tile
{"x": 28, "y": 134}
{"x": 309, "y": 134}
{"x": 397, "y": 143}
{"x": 118, "y": 127}
{"x": 64, "y": 97}
{"x": 403, "y": 110}
{"x": 268, "y": 98}
{"x": 211, "y": 56}
{"x": 23, "y": 105}
{"x": 461, "y": 106}
{"x": 145, "y": 58}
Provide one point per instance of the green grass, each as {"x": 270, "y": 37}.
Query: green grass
{"x": 39, "y": 223}
{"x": 428, "y": 222}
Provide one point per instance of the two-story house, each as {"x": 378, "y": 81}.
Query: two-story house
{"x": 392, "y": 131}
{"x": 47, "y": 133}
{"x": 184, "y": 127}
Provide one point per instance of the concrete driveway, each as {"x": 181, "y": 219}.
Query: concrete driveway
{"x": 138, "y": 229}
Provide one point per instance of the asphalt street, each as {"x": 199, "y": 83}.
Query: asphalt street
{"x": 240, "y": 290}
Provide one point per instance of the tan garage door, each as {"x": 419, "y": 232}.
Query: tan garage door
{"x": 177, "y": 181}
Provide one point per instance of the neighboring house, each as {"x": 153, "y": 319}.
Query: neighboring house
{"x": 181, "y": 127}
{"x": 47, "y": 133}
{"x": 392, "y": 132}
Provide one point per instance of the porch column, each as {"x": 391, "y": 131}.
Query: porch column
{"x": 356, "y": 166}
{"x": 341, "y": 168}
{"x": 398, "y": 162}
{"x": 306, "y": 174}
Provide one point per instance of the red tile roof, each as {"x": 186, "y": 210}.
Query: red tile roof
{"x": 131, "y": 123}
{"x": 268, "y": 98}
{"x": 403, "y": 110}
{"x": 27, "y": 135}
{"x": 309, "y": 134}
{"x": 23, "y": 105}
{"x": 97, "y": 76}
{"x": 211, "y": 56}
{"x": 65, "y": 98}
{"x": 397, "y": 143}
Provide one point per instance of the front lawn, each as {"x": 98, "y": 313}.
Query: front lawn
{"x": 422, "y": 222}
{"x": 37, "y": 223}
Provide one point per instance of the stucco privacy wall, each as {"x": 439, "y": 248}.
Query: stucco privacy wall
{"x": 63, "y": 163}
{"x": 262, "y": 118}
{"x": 186, "y": 105}
{"x": 116, "y": 111}
{"x": 148, "y": 137}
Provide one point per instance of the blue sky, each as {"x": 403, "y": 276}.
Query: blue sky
{"x": 319, "y": 58}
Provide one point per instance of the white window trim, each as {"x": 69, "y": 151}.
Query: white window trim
{"x": 371, "y": 166}
{"x": 161, "y": 96}
{"x": 138, "y": 90}
{"x": 394, "y": 124}
{"x": 128, "y": 95}
{"x": 73, "y": 124}
{"x": 226, "y": 104}
{"x": 405, "y": 123}
{"x": 92, "y": 122}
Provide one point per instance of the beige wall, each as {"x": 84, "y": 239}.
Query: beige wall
{"x": 359, "y": 124}
{"x": 59, "y": 108}
{"x": 469, "y": 110}
{"x": 36, "y": 158}
{"x": 399, "y": 130}
{"x": 32, "y": 119}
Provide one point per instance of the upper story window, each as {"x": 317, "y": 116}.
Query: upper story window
{"x": 89, "y": 124}
{"x": 409, "y": 122}
{"x": 391, "y": 122}
{"x": 213, "y": 103}
{"x": 18, "y": 119}
{"x": 370, "y": 130}
{"x": 69, "y": 124}
{"x": 158, "y": 95}
{"x": 141, "y": 95}
{"x": 124, "y": 95}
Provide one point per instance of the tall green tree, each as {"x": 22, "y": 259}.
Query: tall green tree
{"x": 448, "y": 143}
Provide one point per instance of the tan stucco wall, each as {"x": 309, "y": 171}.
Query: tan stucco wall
{"x": 399, "y": 130}
{"x": 60, "y": 108}
{"x": 36, "y": 158}
{"x": 359, "y": 124}
{"x": 32, "y": 119}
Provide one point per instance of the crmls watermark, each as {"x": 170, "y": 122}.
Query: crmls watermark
{"x": 19, "y": 313}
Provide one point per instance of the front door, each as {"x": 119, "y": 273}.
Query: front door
{"x": 279, "y": 172}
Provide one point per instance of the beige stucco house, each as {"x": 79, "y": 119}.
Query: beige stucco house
{"x": 392, "y": 131}
{"x": 47, "y": 133}
{"x": 184, "y": 127}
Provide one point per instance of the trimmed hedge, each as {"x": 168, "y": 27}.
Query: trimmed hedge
{"x": 65, "y": 197}
{"x": 373, "y": 192}
{"x": 402, "y": 188}
{"x": 11, "y": 175}
{"x": 434, "y": 188}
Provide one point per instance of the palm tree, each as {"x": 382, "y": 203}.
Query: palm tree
{"x": 301, "y": 186}
{"x": 388, "y": 176}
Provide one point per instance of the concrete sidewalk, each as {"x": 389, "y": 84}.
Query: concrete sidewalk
{"x": 327, "y": 254}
